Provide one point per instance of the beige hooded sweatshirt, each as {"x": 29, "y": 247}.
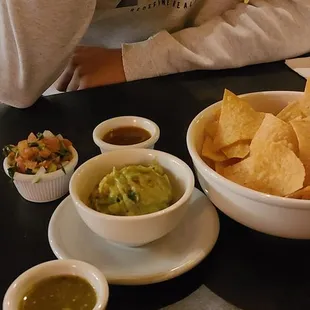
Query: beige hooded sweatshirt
{"x": 157, "y": 37}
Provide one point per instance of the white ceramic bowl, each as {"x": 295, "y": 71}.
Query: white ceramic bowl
{"x": 51, "y": 186}
{"x": 124, "y": 121}
{"x": 132, "y": 230}
{"x": 25, "y": 281}
{"x": 273, "y": 215}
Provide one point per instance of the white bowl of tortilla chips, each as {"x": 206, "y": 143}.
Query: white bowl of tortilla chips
{"x": 252, "y": 158}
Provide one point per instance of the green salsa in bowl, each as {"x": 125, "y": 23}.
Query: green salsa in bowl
{"x": 58, "y": 284}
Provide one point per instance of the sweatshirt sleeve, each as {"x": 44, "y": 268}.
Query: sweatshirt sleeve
{"x": 36, "y": 39}
{"x": 262, "y": 31}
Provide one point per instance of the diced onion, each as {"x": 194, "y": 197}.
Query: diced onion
{"x": 48, "y": 134}
{"x": 38, "y": 175}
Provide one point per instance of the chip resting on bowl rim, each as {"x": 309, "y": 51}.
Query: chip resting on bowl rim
{"x": 303, "y": 193}
{"x": 297, "y": 109}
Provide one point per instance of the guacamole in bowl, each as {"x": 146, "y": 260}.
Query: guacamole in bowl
{"x": 132, "y": 190}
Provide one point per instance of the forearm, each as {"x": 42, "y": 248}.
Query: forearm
{"x": 262, "y": 32}
{"x": 36, "y": 39}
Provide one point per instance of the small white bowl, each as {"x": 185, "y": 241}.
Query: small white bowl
{"x": 50, "y": 187}
{"x": 124, "y": 121}
{"x": 25, "y": 281}
{"x": 132, "y": 230}
{"x": 283, "y": 217}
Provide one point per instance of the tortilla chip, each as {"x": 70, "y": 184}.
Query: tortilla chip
{"x": 219, "y": 166}
{"x": 303, "y": 193}
{"x": 291, "y": 111}
{"x": 298, "y": 109}
{"x": 307, "y": 169}
{"x": 273, "y": 129}
{"x": 212, "y": 125}
{"x": 239, "y": 149}
{"x": 302, "y": 130}
{"x": 209, "y": 162}
{"x": 307, "y": 89}
{"x": 238, "y": 121}
{"x": 276, "y": 171}
{"x": 209, "y": 151}
{"x": 305, "y": 101}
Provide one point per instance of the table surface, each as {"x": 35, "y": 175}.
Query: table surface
{"x": 249, "y": 269}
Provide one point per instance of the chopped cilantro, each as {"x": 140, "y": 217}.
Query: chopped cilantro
{"x": 63, "y": 169}
{"x": 132, "y": 195}
{"x": 11, "y": 172}
{"x": 63, "y": 150}
{"x": 33, "y": 144}
{"x": 40, "y": 135}
{"x": 7, "y": 150}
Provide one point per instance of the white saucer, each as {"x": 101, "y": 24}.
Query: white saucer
{"x": 163, "y": 259}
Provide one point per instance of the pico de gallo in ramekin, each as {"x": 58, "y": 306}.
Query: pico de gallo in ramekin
{"x": 39, "y": 154}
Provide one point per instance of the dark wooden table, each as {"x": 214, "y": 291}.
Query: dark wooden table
{"x": 249, "y": 269}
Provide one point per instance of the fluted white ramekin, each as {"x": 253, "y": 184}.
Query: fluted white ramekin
{"x": 50, "y": 187}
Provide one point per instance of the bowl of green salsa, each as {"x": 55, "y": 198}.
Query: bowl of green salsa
{"x": 59, "y": 284}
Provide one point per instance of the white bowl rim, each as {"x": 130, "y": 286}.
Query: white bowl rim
{"x": 108, "y": 146}
{"x": 234, "y": 187}
{"x": 47, "y": 176}
{"x": 186, "y": 195}
{"x": 65, "y": 262}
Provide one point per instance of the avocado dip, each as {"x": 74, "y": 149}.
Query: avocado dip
{"x": 132, "y": 190}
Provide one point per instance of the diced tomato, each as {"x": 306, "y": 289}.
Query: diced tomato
{"x": 45, "y": 153}
{"x": 32, "y": 138}
{"x": 22, "y": 145}
{"x": 67, "y": 143}
{"x": 30, "y": 164}
{"x": 20, "y": 165}
{"x": 52, "y": 144}
{"x": 35, "y": 150}
{"x": 29, "y": 153}
{"x": 33, "y": 153}
{"x": 53, "y": 156}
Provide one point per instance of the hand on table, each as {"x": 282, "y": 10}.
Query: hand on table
{"x": 91, "y": 67}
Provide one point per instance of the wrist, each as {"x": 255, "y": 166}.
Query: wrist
{"x": 117, "y": 60}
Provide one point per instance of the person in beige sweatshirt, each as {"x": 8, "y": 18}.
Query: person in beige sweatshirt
{"x": 87, "y": 43}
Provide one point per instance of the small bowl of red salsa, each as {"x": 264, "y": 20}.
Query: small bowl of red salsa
{"x": 126, "y": 132}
